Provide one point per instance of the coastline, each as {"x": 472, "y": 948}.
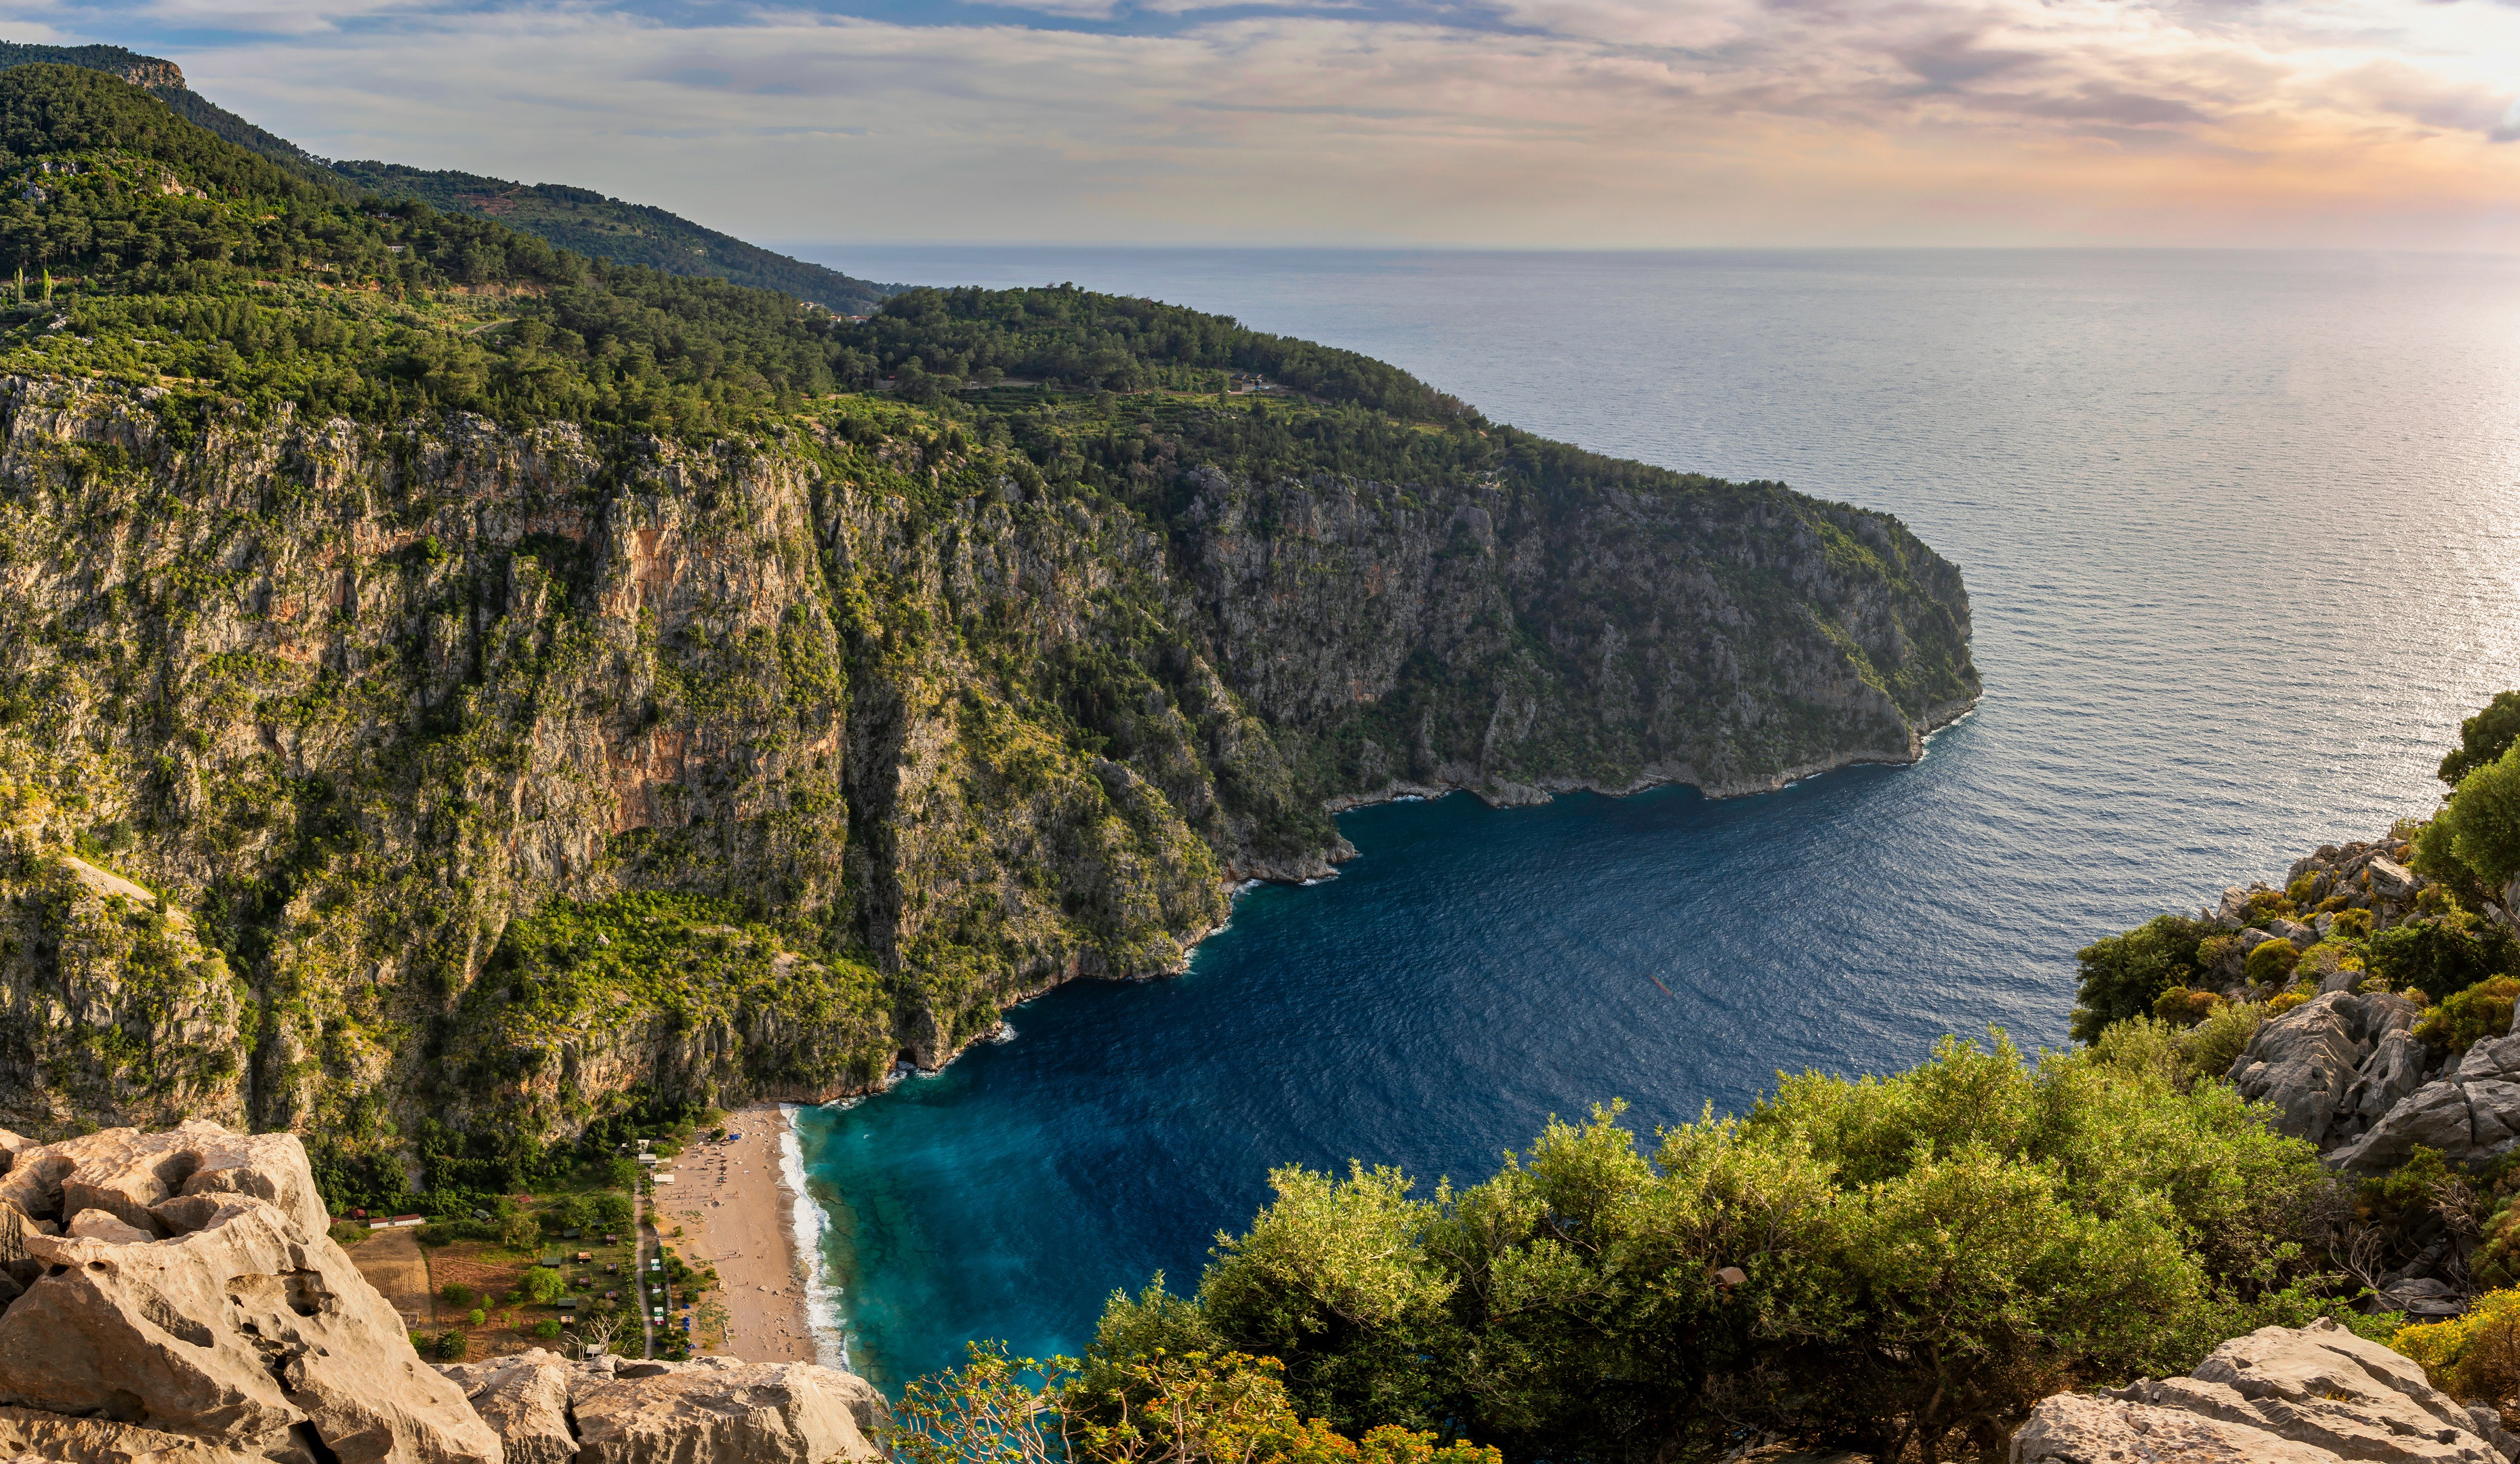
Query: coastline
{"x": 738, "y": 1207}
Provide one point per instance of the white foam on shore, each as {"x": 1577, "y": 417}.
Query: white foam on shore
{"x": 807, "y": 1225}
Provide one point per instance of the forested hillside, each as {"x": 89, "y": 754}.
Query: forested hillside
{"x": 577, "y": 219}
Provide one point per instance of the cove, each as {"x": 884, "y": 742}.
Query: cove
{"x": 1472, "y": 972}
{"x": 2239, "y": 531}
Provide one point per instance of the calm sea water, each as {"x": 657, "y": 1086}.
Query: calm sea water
{"x": 2238, "y": 532}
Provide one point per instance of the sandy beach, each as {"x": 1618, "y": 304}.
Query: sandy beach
{"x": 734, "y": 1211}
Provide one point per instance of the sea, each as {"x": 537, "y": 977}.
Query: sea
{"x": 2238, "y": 534}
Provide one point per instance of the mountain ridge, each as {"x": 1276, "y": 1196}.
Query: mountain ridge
{"x": 573, "y": 218}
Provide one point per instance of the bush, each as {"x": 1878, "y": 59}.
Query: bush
{"x": 1184, "y": 1408}
{"x": 2350, "y": 925}
{"x": 349, "y": 1232}
{"x": 449, "y": 1347}
{"x": 476, "y": 1318}
{"x": 2469, "y": 1017}
{"x": 2284, "y": 1001}
{"x": 2483, "y": 738}
{"x": 1919, "y": 1259}
{"x": 457, "y": 1294}
{"x": 2123, "y": 974}
{"x": 2271, "y": 963}
{"x": 2475, "y": 1358}
{"x": 2482, "y": 821}
{"x": 2439, "y": 955}
{"x": 2182, "y": 1007}
{"x": 547, "y": 1329}
{"x": 543, "y": 1286}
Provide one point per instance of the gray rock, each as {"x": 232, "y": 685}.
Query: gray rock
{"x": 245, "y": 1327}
{"x": 2488, "y": 1426}
{"x": 2389, "y": 1075}
{"x": 2391, "y": 879}
{"x": 524, "y": 1399}
{"x": 2282, "y": 1395}
{"x": 722, "y": 1411}
{"x": 2304, "y": 1063}
{"x": 2072, "y": 1428}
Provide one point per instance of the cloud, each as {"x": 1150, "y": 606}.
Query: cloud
{"x": 1506, "y": 123}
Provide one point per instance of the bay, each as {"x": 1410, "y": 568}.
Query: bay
{"x": 2237, "y": 529}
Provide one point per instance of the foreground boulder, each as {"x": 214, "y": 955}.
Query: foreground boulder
{"x": 713, "y": 1410}
{"x": 2313, "y": 1395}
{"x": 193, "y": 1291}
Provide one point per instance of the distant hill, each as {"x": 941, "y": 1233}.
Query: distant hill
{"x": 579, "y": 220}
{"x": 590, "y": 223}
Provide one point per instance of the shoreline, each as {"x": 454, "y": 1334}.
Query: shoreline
{"x": 737, "y": 1209}
{"x": 818, "y": 1311}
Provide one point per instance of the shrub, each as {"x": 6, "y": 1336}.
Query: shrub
{"x": 2483, "y": 738}
{"x": 543, "y": 1286}
{"x": 476, "y": 1318}
{"x": 1191, "y": 1409}
{"x": 2482, "y": 821}
{"x": 2285, "y": 1001}
{"x": 2469, "y": 1017}
{"x": 2350, "y": 925}
{"x": 2475, "y": 1358}
{"x": 2123, "y": 974}
{"x": 2182, "y": 1007}
{"x": 2218, "y": 1041}
{"x": 2271, "y": 963}
{"x": 2308, "y": 889}
{"x": 1919, "y": 1259}
{"x": 548, "y": 1328}
{"x": 2440, "y": 955}
{"x": 457, "y": 1294}
{"x": 449, "y": 1347}
{"x": 349, "y": 1232}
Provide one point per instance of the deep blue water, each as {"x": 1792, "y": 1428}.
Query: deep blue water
{"x": 2238, "y": 532}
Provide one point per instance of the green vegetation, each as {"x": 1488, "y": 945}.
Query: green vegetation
{"x": 1191, "y": 1409}
{"x": 1900, "y": 1264}
{"x": 586, "y": 222}
{"x": 2123, "y": 976}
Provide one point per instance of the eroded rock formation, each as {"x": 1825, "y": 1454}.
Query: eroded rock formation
{"x": 2315, "y": 1395}
{"x": 183, "y": 1284}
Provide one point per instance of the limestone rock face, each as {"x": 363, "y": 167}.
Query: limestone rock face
{"x": 712, "y": 1411}
{"x": 2284, "y": 1395}
{"x": 2305, "y": 1060}
{"x": 524, "y": 1399}
{"x": 725, "y": 1412}
{"x": 196, "y": 1293}
{"x": 25, "y": 1433}
{"x": 2470, "y": 1115}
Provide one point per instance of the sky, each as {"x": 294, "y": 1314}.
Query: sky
{"x": 1476, "y": 123}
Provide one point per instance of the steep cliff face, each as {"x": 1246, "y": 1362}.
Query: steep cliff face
{"x": 500, "y": 774}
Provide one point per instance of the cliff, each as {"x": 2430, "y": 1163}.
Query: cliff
{"x": 519, "y": 688}
{"x": 355, "y": 700}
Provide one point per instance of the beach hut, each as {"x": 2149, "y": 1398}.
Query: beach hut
{"x": 585, "y": 1257}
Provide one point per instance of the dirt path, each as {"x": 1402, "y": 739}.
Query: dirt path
{"x": 393, "y": 1264}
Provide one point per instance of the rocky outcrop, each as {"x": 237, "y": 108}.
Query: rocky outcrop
{"x": 2285, "y": 1395}
{"x": 193, "y": 1290}
{"x": 2333, "y": 1065}
{"x": 2469, "y": 1116}
{"x": 715, "y": 1410}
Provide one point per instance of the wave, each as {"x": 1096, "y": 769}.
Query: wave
{"x": 807, "y": 1225}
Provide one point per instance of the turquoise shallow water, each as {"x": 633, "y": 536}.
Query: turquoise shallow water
{"x": 2238, "y": 531}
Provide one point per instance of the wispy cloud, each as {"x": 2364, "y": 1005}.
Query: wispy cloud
{"x": 1474, "y": 122}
